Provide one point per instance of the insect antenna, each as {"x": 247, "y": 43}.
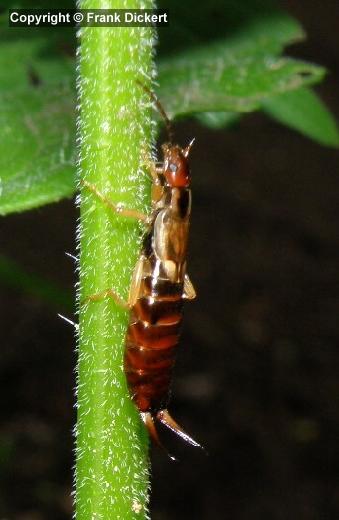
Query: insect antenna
{"x": 160, "y": 109}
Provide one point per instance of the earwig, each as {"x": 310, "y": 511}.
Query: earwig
{"x": 159, "y": 287}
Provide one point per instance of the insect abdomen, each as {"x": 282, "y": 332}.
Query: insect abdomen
{"x": 152, "y": 341}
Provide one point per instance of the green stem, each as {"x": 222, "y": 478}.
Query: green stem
{"x": 115, "y": 133}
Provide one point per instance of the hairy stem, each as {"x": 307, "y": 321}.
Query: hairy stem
{"x": 115, "y": 132}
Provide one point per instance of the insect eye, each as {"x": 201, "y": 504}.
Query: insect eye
{"x": 173, "y": 167}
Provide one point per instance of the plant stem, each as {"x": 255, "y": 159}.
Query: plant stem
{"x": 115, "y": 133}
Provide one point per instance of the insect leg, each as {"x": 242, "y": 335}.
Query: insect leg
{"x": 154, "y": 170}
{"x": 151, "y": 167}
{"x": 134, "y": 290}
{"x": 125, "y": 212}
{"x": 107, "y": 293}
{"x": 164, "y": 417}
{"x": 189, "y": 291}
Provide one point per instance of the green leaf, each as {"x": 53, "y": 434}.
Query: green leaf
{"x": 217, "y": 120}
{"x": 37, "y": 119}
{"x": 235, "y": 74}
{"x": 33, "y": 57}
{"x": 37, "y": 147}
{"x": 212, "y": 84}
{"x": 304, "y": 111}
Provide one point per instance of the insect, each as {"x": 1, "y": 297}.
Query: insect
{"x": 159, "y": 287}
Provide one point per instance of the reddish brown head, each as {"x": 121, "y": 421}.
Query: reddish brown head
{"x": 176, "y": 168}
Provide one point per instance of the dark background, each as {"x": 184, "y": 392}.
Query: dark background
{"x": 257, "y": 378}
